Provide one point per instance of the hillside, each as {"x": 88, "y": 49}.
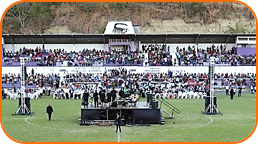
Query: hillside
{"x": 35, "y": 18}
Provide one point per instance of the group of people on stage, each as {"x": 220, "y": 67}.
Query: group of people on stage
{"x": 98, "y": 94}
{"x": 108, "y": 97}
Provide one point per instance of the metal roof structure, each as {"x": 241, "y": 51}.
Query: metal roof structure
{"x": 102, "y": 38}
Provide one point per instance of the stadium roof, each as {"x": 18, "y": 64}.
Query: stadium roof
{"x": 102, "y": 38}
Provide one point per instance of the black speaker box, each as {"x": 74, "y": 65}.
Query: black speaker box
{"x": 114, "y": 104}
{"x": 149, "y": 98}
{"x": 27, "y": 102}
{"x": 207, "y": 101}
{"x": 154, "y": 104}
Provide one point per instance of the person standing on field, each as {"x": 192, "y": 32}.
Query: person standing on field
{"x": 118, "y": 122}
{"x": 49, "y": 111}
{"x": 231, "y": 93}
{"x": 239, "y": 91}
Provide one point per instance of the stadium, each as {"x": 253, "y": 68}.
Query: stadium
{"x": 163, "y": 87}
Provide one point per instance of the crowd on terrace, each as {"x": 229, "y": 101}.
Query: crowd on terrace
{"x": 85, "y": 57}
{"x": 121, "y": 78}
{"x": 156, "y": 55}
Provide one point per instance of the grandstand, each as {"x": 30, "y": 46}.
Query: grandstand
{"x": 100, "y": 50}
{"x": 153, "y": 66}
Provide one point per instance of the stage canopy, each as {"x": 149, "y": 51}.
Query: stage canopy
{"x": 119, "y": 27}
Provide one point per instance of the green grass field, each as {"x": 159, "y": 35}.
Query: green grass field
{"x": 236, "y": 123}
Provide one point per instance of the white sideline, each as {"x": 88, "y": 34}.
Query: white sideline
{"x": 118, "y": 136}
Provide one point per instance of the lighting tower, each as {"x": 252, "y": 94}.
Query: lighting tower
{"x": 23, "y": 109}
{"x": 211, "y": 108}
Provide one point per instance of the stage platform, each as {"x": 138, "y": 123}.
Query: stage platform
{"x": 141, "y": 113}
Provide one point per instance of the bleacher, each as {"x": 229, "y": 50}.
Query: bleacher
{"x": 17, "y": 85}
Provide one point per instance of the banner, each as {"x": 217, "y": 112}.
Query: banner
{"x": 134, "y": 69}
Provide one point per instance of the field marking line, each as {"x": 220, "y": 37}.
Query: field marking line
{"x": 198, "y": 126}
{"x": 211, "y": 120}
{"x": 118, "y": 136}
{"x": 26, "y": 120}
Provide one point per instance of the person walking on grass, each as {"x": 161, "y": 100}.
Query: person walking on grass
{"x": 49, "y": 111}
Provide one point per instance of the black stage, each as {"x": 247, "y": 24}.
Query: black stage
{"x": 141, "y": 113}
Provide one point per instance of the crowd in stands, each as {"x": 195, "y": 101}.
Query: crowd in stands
{"x": 33, "y": 55}
{"x": 191, "y": 56}
{"x": 86, "y": 57}
{"x": 139, "y": 82}
{"x": 158, "y": 55}
{"x": 38, "y": 80}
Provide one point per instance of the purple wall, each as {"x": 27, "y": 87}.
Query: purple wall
{"x": 246, "y": 50}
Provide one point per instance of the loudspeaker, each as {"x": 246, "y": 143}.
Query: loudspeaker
{"x": 149, "y": 98}
{"x": 84, "y": 103}
{"x": 114, "y": 104}
{"x": 27, "y": 102}
{"x": 207, "y": 101}
{"x": 154, "y": 104}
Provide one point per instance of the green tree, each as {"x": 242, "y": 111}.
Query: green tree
{"x": 20, "y": 12}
